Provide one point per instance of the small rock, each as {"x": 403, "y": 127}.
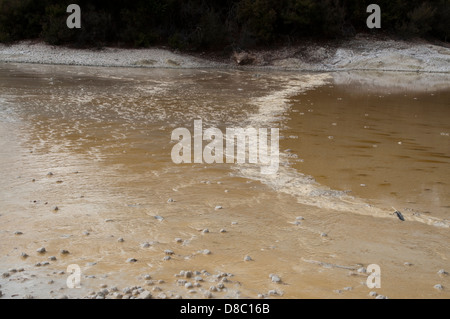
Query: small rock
{"x": 373, "y": 294}
{"x": 56, "y": 208}
{"x": 49, "y": 174}
{"x": 171, "y": 200}
{"x": 18, "y": 233}
{"x": 362, "y": 270}
{"x": 166, "y": 258}
{"x": 162, "y": 296}
{"x": 220, "y": 285}
{"x": 181, "y": 282}
{"x": 41, "y": 250}
{"x": 223, "y": 230}
{"x": 400, "y": 216}
{"x": 117, "y": 295}
{"x": 135, "y": 292}
{"x": 206, "y": 252}
{"x": 145, "y": 295}
{"x": 104, "y": 292}
{"x": 178, "y": 240}
{"x": 168, "y": 252}
{"x": 272, "y": 293}
{"x": 156, "y": 289}
{"x": 208, "y": 295}
{"x": 438, "y": 287}
{"x": 52, "y": 258}
{"x": 198, "y": 278}
{"x": 120, "y": 240}
{"x": 126, "y": 290}
{"x": 131, "y": 260}
{"x": 37, "y": 264}
{"x": 45, "y": 263}
{"x": 275, "y": 278}
{"x": 442, "y": 272}
{"x": 243, "y": 58}
{"x": 147, "y": 277}
{"x": 248, "y": 258}
{"x": 381, "y": 297}
{"x": 24, "y": 255}
{"x": 64, "y": 252}
{"x": 218, "y": 207}
{"x": 160, "y": 218}
{"x": 205, "y": 231}
{"x": 299, "y": 218}
{"x": 408, "y": 264}
{"x": 188, "y": 285}
{"x": 213, "y": 288}
{"x": 145, "y": 245}
{"x": 12, "y": 270}
{"x": 5, "y": 275}
{"x": 323, "y": 235}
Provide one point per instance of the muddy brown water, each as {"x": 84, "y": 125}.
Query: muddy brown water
{"x": 350, "y": 152}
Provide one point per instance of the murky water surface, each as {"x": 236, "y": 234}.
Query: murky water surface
{"x": 349, "y": 153}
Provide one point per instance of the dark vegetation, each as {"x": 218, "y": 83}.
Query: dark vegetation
{"x": 214, "y": 24}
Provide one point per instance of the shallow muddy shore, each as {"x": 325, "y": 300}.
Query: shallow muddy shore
{"x": 87, "y": 176}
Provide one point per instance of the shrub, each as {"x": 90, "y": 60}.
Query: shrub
{"x": 419, "y": 21}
